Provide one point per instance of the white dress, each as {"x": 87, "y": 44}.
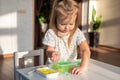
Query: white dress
{"x": 61, "y": 44}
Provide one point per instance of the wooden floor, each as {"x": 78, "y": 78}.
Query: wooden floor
{"x": 107, "y": 58}
{"x": 7, "y": 71}
{"x": 106, "y": 54}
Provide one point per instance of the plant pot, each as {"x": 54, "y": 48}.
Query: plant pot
{"x": 94, "y": 39}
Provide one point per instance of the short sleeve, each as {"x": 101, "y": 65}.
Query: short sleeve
{"x": 49, "y": 38}
{"x": 80, "y": 37}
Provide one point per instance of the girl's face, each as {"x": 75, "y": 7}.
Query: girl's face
{"x": 66, "y": 25}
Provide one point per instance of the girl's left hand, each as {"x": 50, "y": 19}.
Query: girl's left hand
{"x": 79, "y": 70}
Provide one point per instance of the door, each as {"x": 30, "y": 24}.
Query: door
{"x": 37, "y": 32}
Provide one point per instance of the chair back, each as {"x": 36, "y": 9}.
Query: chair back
{"x": 28, "y": 59}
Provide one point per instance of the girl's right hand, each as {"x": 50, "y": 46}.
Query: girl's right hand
{"x": 55, "y": 57}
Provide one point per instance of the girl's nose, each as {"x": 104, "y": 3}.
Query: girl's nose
{"x": 66, "y": 26}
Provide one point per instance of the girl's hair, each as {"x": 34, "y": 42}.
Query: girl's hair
{"x": 63, "y": 9}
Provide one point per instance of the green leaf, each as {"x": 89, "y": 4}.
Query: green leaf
{"x": 99, "y": 19}
{"x": 96, "y": 20}
{"x": 42, "y": 19}
{"x": 96, "y": 27}
{"x": 93, "y": 14}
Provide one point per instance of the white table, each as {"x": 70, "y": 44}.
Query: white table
{"x": 96, "y": 71}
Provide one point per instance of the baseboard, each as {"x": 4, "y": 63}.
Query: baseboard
{"x": 5, "y": 56}
{"x": 109, "y": 47}
{"x": 105, "y": 49}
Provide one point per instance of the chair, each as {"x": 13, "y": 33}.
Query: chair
{"x": 27, "y": 59}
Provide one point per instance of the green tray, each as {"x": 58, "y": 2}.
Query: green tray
{"x": 65, "y": 66}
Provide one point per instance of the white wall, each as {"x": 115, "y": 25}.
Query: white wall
{"x": 110, "y": 28}
{"x": 16, "y": 25}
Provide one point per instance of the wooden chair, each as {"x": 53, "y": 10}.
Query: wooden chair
{"x": 27, "y": 59}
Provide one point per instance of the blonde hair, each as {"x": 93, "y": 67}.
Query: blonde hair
{"x": 63, "y": 9}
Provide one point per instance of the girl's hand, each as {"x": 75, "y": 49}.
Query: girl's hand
{"x": 55, "y": 56}
{"x": 79, "y": 70}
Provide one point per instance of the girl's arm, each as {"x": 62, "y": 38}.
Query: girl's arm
{"x": 85, "y": 55}
{"x": 52, "y": 54}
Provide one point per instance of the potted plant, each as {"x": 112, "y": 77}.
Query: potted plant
{"x": 45, "y": 14}
{"x": 43, "y": 23}
{"x": 94, "y": 34}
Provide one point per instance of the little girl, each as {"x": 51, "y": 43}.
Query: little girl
{"x": 64, "y": 36}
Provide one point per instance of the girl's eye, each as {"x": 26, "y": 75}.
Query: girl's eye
{"x": 66, "y": 24}
{"x": 63, "y": 24}
{"x": 71, "y": 24}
